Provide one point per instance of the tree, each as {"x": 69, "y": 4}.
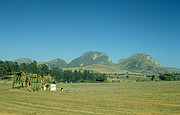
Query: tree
{"x": 101, "y": 77}
{"x": 57, "y": 74}
{"x": 92, "y": 77}
{"x": 67, "y": 76}
{"x": 85, "y": 74}
{"x": 76, "y": 76}
{"x": 3, "y": 69}
{"x": 32, "y": 67}
{"x": 166, "y": 77}
{"x": 16, "y": 67}
{"x": 153, "y": 77}
{"x": 43, "y": 69}
{"x": 24, "y": 67}
{"x": 9, "y": 66}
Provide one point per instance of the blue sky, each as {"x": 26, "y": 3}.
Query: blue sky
{"x": 47, "y": 29}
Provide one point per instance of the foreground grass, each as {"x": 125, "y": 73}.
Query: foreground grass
{"x": 94, "y": 98}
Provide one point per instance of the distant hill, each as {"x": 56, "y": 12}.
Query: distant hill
{"x": 23, "y": 60}
{"x": 173, "y": 70}
{"x": 57, "y": 63}
{"x": 141, "y": 62}
{"x": 90, "y": 58}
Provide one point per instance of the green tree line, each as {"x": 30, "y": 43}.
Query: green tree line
{"x": 9, "y": 67}
{"x": 170, "y": 77}
{"x": 76, "y": 76}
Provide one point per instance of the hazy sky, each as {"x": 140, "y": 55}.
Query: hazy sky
{"x": 47, "y": 29}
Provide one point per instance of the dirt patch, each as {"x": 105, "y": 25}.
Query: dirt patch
{"x": 21, "y": 89}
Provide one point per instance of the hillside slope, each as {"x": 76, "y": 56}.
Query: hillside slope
{"x": 56, "y": 63}
{"x": 141, "y": 62}
{"x": 90, "y": 58}
{"x": 100, "y": 69}
{"x": 23, "y": 60}
{"x": 173, "y": 70}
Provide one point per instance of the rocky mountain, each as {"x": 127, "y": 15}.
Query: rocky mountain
{"x": 141, "y": 62}
{"x": 90, "y": 58}
{"x": 23, "y": 60}
{"x": 57, "y": 63}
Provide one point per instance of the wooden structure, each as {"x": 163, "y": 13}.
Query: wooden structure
{"x": 25, "y": 80}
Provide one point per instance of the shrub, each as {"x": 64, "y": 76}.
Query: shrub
{"x": 166, "y": 77}
{"x": 143, "y": 80}
{"x": 101, "y": 77}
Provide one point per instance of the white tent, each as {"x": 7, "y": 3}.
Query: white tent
{"x": 53, "y": 87}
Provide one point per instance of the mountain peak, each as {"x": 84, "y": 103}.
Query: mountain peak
{"x": 23, "y": 60}
{"x": 57, "y": 60}
{"x": 56, "y": 63}
{"x": 141, "y": 62}
{"x": 94, "y": 54}
{"x": 89, "y": 58}
{"x": 145, "y": 57}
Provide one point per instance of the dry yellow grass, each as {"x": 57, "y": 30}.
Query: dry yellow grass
{"x": 99, "y": 68}
{"x": 108, "y": 70}
{"x": 94, "y": 98}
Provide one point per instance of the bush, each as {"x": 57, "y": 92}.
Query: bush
{"x": 166, "y": 77}
{"x": 153, "y": 77}
{"x": 143, "y": 80}
{"x": 170, "y": 77}
{"x": 48, "y": 80}
{"x": 101, "y": 77}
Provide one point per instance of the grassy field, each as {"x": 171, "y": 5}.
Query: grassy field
{"x": 112, "y": 72}
{"x": 100, "y": 68}
{"x": 94, "y": 98}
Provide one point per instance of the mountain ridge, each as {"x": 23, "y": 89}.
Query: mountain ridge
{"x": 56, "y": 63}
{"x": 138, "y": 62}
{"x": 23, "y": 60}
{"x": 89, "y": 58}
{"x": 141, "y": 62}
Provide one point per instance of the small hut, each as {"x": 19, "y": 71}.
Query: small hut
{"x": 24, "y": 80}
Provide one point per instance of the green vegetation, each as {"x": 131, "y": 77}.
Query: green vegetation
{"x": 8, "y": 68}
{"x": 143, "y": 80}
{"x": 32, "y": 82}
{"x": 137, "y": 63}
{"x": 101, "y": 77}
{"x": 94, "y": 73}
{"x": 77, "y": 76}
{"x": 169, "y": 77}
